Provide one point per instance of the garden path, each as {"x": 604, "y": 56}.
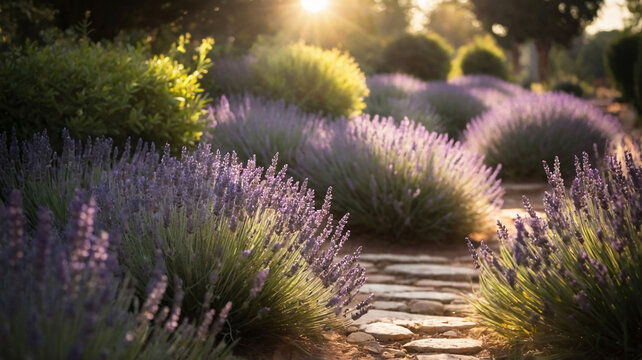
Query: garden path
{"x": 419, "y": 310}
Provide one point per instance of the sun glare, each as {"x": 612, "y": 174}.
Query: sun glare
{"x": 314, "y": 5}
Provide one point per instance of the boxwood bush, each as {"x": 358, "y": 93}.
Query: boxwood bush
{"x": 314, "y": 79}
{"x": 528, "y": 129}
{"x": 402, "y": 181}
{"x": 251, "y": 126}
{"x": 62, "y": 296}
{"x": 95, "y": 89}
{"x": 480, "y": 57}
{"x": 396, "y": 95}
{"x": 455, "y": 105}
{"x": 570, "y": 285}
{"x": 426, "y": 57}
{"x": 234, "y": 235}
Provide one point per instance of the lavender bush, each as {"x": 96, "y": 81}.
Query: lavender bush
{"x": 489, "y": 89}
{"x": 395, "y": 95}
{"x": 531, "y": 128}
{"x": 570, "y": 284}
{"x": 62, "y": 298}
{"x": 401, "y": 180}
{"x": 230, "y": 233}
{"x": 252, "y": 126}
{"x": 454, "y": 104}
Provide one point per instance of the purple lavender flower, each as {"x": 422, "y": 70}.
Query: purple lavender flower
{"x": 528, "y": 129}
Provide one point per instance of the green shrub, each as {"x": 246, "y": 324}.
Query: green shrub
{"x": 483, "y": 61}
{"x": 620, "y": 58}
{"x": 426, "y": 57}
{"x": 569, "y": 285}
{"x": 314, "y": 79}
{"x": 569, "y": 87}
{"x": 95, "y": 89}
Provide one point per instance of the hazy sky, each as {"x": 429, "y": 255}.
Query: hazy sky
{"x": 611, "y": 16}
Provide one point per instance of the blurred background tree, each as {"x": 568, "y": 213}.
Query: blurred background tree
{"x": 455, "y": 21}
{"x": 544, "y": 22}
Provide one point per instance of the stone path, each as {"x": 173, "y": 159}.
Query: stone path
{"x": 419, "y": 311}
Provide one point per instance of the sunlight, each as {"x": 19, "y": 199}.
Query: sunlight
{"x": 314, "y": 5}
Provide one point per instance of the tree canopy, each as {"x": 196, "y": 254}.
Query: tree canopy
{"x": 544, "y": 21}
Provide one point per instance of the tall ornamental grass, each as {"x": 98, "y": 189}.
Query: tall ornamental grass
{"x": 64, "y": 297}
{"x": 531, "y": 128}
{"x": 569, "y": 285}
{"x": 402, "y": 181}
{"x": 395, "y": 95}
{"x": 234, "y": 234}
{"x": 251, "y": 126}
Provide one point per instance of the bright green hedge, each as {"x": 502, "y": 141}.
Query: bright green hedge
{"x": 314, "y": 79}
{"x": 95, "y": 89}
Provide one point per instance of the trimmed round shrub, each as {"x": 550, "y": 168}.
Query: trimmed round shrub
{"x": 101, "y": 90}
{"x": 569, "y": 285}
{"x": 530, "y": 129}
{"x": 238, "y": 237}
{"x": 402, "y": 181}
{"x": 314, "y": 79}
{"x": 569, "y": 87}
{"x": 251, "y": 126}
{"x": 489, "y": 89}
{"x": 62, "y": 297}
{"x": 620, "y": 58}
{"x": 426, "y": 57}
{"x": 455, "y": 105}
{"x": 483, "y": 61}
{"x": 395, "y": 95}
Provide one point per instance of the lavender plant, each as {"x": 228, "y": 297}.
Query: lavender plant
{"x": 401, "y": 180}
{"x": 570, "y": 284}
{"x": 489, "y": 89}
{"x": 62, "y": 297}
{"x": 531, "y": 128}
{"x": 251, "y": 126}
{"x": 454, "y": 104}
{"x": 395, "y": 95}
{"x": 230, "y": 233}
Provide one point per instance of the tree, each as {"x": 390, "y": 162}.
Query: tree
{"x": 546, "y": 22}
{"x": 455, "y": 22}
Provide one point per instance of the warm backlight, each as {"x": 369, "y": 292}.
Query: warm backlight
{"x": 314, "y": 5}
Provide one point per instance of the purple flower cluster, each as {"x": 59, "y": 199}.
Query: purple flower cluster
{"x": 61, "y": 295}
{"x": 402, "y": 180}
{"x": 213, "y": 223}
{"x": 579, "y": 266}
{"x": 490, "y": 90}
{"x": 251, "y": 127}
{"x": 528, "y": 129}
{"x": 454, "y": 104}
{"x": 395, "y": 95}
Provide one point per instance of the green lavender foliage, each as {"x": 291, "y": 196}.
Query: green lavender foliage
{"x": 63, "y": 297}
{"x": 96, "y": 89}
{"x": 569, "y": 285}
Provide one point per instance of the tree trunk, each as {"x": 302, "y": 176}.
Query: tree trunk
{"x": 543, "y": 48}
{"x": 516, "y": 54}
